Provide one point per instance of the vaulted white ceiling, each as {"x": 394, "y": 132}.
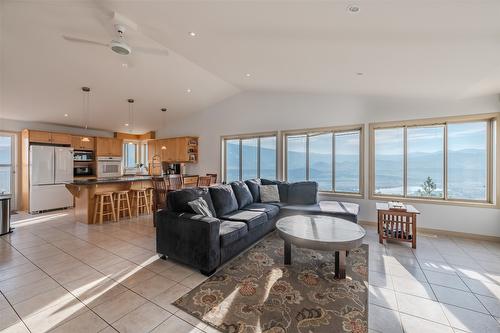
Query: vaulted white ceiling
{"x": 428, "y": 49}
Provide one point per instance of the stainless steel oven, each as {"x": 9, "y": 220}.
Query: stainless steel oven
{"x": 109, "y": 167}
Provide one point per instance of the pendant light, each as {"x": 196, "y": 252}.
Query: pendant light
{"x": 86, "y": 111}
{"x": 164, "y": 110}
{"x": 130, "y": 115}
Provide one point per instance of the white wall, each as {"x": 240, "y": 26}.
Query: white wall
{"x": 251, "y": 112}
{"x": 17, "y": 126}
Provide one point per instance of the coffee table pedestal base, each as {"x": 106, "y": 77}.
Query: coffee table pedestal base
{"x": 340, "y": 264}
{"x": 339, "y": 260}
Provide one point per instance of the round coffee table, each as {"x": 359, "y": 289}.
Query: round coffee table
{"x": 322, "y": 233}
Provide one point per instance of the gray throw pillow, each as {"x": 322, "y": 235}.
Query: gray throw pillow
{"x": 200, "y": 207}
{"x": 269, "y": 193}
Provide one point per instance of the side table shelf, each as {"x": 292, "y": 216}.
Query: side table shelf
{"x": 397, "y": 225}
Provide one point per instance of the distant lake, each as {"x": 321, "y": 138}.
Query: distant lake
{"x": 466, "y": 172}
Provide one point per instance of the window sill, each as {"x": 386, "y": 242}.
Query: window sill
{"x": 341, "y": 194}
{"x": 435, "y": 201}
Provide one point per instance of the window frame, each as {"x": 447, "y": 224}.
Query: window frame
{"x": 141, "y": 147}
{"x": 492, "y": 152}
{"x": 333, "y": 130}
{"x": 240, "y": 137}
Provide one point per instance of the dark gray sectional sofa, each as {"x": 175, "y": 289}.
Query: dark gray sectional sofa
{"x": 240, "y": 219}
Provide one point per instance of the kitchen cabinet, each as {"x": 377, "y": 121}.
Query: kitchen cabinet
{"x": 187, "y": 149}
{"x": 174, "y": 150}
{"x": 60, "y": 138}
{"x": 78, "y": 144}
{"x": 49, "y": 137}
{"x": 109, "y": 147}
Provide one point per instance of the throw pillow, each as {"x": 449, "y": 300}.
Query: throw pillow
{"x": 269, "y": 193}
{"x": 200, "y": 207}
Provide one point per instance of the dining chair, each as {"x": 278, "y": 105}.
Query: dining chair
{"x": 214, "y": 178}
{"x": 204, "y": 181}
{"x": 175, "y": 182}
{"x": 160, "y": 190}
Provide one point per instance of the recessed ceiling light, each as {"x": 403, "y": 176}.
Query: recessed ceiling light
{"x": 360, "y": 73}
{"x": 125, "y": 65}
{"x": 248, "y": 75}
{"x": 192, "y": 34}
{"x": 353, "y": 9}
{"x": 163, "y": 109}
{"x": 66, "y": 114}
{"x": 188, "y": 90}
{"x": 126, "y": 125}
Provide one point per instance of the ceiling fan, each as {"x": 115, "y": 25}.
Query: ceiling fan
{"x": 118, "y": 44}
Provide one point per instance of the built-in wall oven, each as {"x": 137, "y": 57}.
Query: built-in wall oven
{"x": 109, "y": 167}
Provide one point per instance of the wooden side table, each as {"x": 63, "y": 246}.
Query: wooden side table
{"x": 397, "y": 225}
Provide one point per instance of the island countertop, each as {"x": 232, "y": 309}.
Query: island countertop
{"x": 123, "y": 179}
{"x": 85, "y": 190}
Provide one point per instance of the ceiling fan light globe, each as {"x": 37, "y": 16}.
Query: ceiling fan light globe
{"x": 120, "y": 47}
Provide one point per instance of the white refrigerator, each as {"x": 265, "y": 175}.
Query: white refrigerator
{"x": 50, "y": 169}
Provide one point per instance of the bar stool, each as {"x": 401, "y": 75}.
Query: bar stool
{"x": 149, "y": 192}
{"x": 104, "y": 206}
{"x": 140, "y": 202}
{"x": 122, "y": 204}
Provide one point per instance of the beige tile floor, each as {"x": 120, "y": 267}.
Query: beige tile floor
{"x": 60, "y": 275}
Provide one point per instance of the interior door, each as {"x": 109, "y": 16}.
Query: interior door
{"x": 42, "y": 165}
{"x": 7, "y": 164}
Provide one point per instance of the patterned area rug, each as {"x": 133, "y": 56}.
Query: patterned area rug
{"x": 256, "y": 293}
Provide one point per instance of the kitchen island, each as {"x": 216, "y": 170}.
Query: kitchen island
{"x": 84, "y": 191}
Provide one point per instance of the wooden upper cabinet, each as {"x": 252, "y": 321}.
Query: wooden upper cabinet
{"x": 40, "y": 136}
{"x": 78, "y": 142}
{"x": 171, "y": 153}
{"x": 109, "y": 147}
{"x": 182, "y": 149}
{"x": 49, "y": 137}
{"x": 61, "y": 138}
{"x": 174, "y": 150}
{"x": 116, "y": 147}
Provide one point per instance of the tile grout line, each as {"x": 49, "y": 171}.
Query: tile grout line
{"x": 13, "y": 309}
{"x": 62, "y": 323}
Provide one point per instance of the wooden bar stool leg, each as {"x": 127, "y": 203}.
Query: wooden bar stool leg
{"x": 96, "y": 206}
{"x": 118, "y": 204}
{"x": 112, "y": 208}
{"x": 101, "y": 209}
{"x": 128, "y": 206}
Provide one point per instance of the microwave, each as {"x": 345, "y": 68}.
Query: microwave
{"x": 109, "y": 167}
{"x": 82, "y": 171}
{"x": 79, "y": 155}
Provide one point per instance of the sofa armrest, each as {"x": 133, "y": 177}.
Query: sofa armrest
{"x": 189, "y": 238}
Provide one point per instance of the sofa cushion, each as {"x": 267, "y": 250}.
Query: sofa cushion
{"x": 278, "y": 204}
{"x": 251, "y": 218}
{"x": 269, "y": 193}
{"x": 223, "y": 198}
{"x": 253, "y": 186}
{"x": 270, "y": 209}
{"x": 200, "y": 207}
{"x": 303, "y": 193}
{"x": 231, "y": 231}
{"x": 242, "y": 193}
{"x": 282, "y": 188}
{"x": 178, "y": 200}
{"x": 345, "y": 210}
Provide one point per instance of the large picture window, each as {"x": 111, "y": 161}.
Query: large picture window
{"x": 331, "y": 157}
{"x": 249, "y": 156}
{"x": 446, "y": 159}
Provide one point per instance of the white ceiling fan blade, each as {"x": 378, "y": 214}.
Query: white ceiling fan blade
{"x": 85, "y": 41}
{"x": 150, "y": 50}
